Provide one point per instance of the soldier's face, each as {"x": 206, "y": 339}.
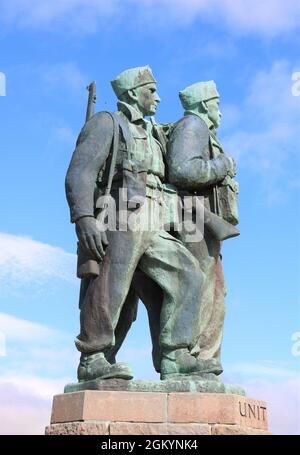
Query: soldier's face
{"x": 147, "y": 99}
{"x": 213, "y": 111}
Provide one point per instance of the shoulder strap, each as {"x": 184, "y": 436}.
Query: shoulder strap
{"x": 216, "y": 200}
{"x": 123, "y": 124}
{"x": 115, "y": 146}
{"x": 210, "y": 146}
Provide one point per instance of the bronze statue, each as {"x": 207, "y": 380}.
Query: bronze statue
{"x": 120, "y": 157}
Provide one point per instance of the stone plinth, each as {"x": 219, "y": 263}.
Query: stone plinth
{"x": 156, "y": 413}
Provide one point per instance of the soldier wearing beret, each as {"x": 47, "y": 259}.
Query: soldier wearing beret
{"x": 198, "y": 166}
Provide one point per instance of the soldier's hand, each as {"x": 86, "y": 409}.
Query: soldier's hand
{"x": 92, "y": 238}
{"x": 231, "y": 166}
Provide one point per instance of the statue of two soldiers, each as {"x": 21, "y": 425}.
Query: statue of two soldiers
{"x": 145, "y": 169}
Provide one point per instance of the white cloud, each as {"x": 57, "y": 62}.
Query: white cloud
{"x": 26, "y": 403}
{"x": 33, "y": 348}
{"x": 63, "y": 76}
{"x": 35, "y": 386}
{"x": 39, "y": 361}
{"x": 22, "y": 414}
{"x": 267, "y": 370}
{"x": 267, "y": 17}
{"x": 263, "y": 16}
{"x": 66, "y": 135}
{"x": 265, "y": 144}
{"x": 26, "y": 261}
{"x": 60, "y": 78}
{"x": 22, "y": 330}
{"x": 78, "y": 15}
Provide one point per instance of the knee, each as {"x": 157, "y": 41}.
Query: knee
{"x": 199, "y": 276}
{"x": 194, "y": 276}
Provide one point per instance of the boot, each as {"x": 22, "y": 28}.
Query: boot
{"x": 180, "y": 363}
{"x": 95, "y": 366}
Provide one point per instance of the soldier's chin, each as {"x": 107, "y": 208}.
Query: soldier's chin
{"x": 152, "y": 110}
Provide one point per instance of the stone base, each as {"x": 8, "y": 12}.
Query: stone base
{"x": 214, "y": 385}
{"x": 156, "y": 413}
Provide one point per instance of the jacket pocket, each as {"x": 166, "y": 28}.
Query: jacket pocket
{"x": 134, "y": 180}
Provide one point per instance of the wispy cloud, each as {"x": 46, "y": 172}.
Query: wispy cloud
{"x": 267, "y": 17}
{"x": 269, "y": 129}
{"x": 66, "y": 135}
{"x": 22, "y": 413}
{"x": 24, "y": 261}
{"x": 243, "y": 16}
{"x": 67, "y": 14}
{"x": 63, "y": 76}
{"x": 34, "y": 386}
{"x": 34, "y": 348}
{"x": 26, "y": 403}
{"x": 39, "y": 361}
{"x": 266, "y": 370}
{"x": 25, "y": 331}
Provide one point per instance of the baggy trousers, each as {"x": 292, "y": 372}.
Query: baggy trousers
{"x": 162, "y": 258}
{"x": 212, "y": 309}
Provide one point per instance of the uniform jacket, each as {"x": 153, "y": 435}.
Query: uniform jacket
{"x": 90, "y": 163}
{"x": 191, "y": 162}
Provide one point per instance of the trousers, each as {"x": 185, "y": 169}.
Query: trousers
{"x": 161, "y": 257}
{"x": 212, "y": 309}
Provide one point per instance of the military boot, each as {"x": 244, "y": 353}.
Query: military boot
{"x": 95, "y": 366}
{"x": 180, "y": 363}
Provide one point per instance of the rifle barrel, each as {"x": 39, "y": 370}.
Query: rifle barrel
{"x": 91, "y": 100}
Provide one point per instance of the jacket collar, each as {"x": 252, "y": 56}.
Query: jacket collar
{"x": 205, "y": 118}
{"x": 132, "y": 114}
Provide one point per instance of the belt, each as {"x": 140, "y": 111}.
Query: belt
{"x": 156, "y": 194}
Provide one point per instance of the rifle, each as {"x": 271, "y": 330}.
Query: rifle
{"x": 87, "y": 266}
{"x": 91, "y": 101}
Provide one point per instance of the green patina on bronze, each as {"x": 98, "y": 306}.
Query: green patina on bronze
{"x": 180, "y": 282}
{"x": 197, "y": 164}
{"x": 204, "y": 385}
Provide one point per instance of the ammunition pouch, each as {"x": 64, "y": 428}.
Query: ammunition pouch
{"x": 227, "y": 194}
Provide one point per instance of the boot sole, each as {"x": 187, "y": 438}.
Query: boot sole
{"x": 126, "y": 376}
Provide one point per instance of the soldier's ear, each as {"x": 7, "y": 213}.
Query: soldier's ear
{"x": 132, "y": 95}
{"x": 203, "y": 107}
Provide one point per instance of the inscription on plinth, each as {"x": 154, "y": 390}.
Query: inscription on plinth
{"x": 254, "y": 411}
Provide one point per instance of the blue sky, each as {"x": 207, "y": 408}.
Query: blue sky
{"x": 49, "y": 52}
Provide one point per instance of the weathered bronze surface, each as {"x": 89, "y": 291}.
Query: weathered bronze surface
{"x": 127, "y": 186}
